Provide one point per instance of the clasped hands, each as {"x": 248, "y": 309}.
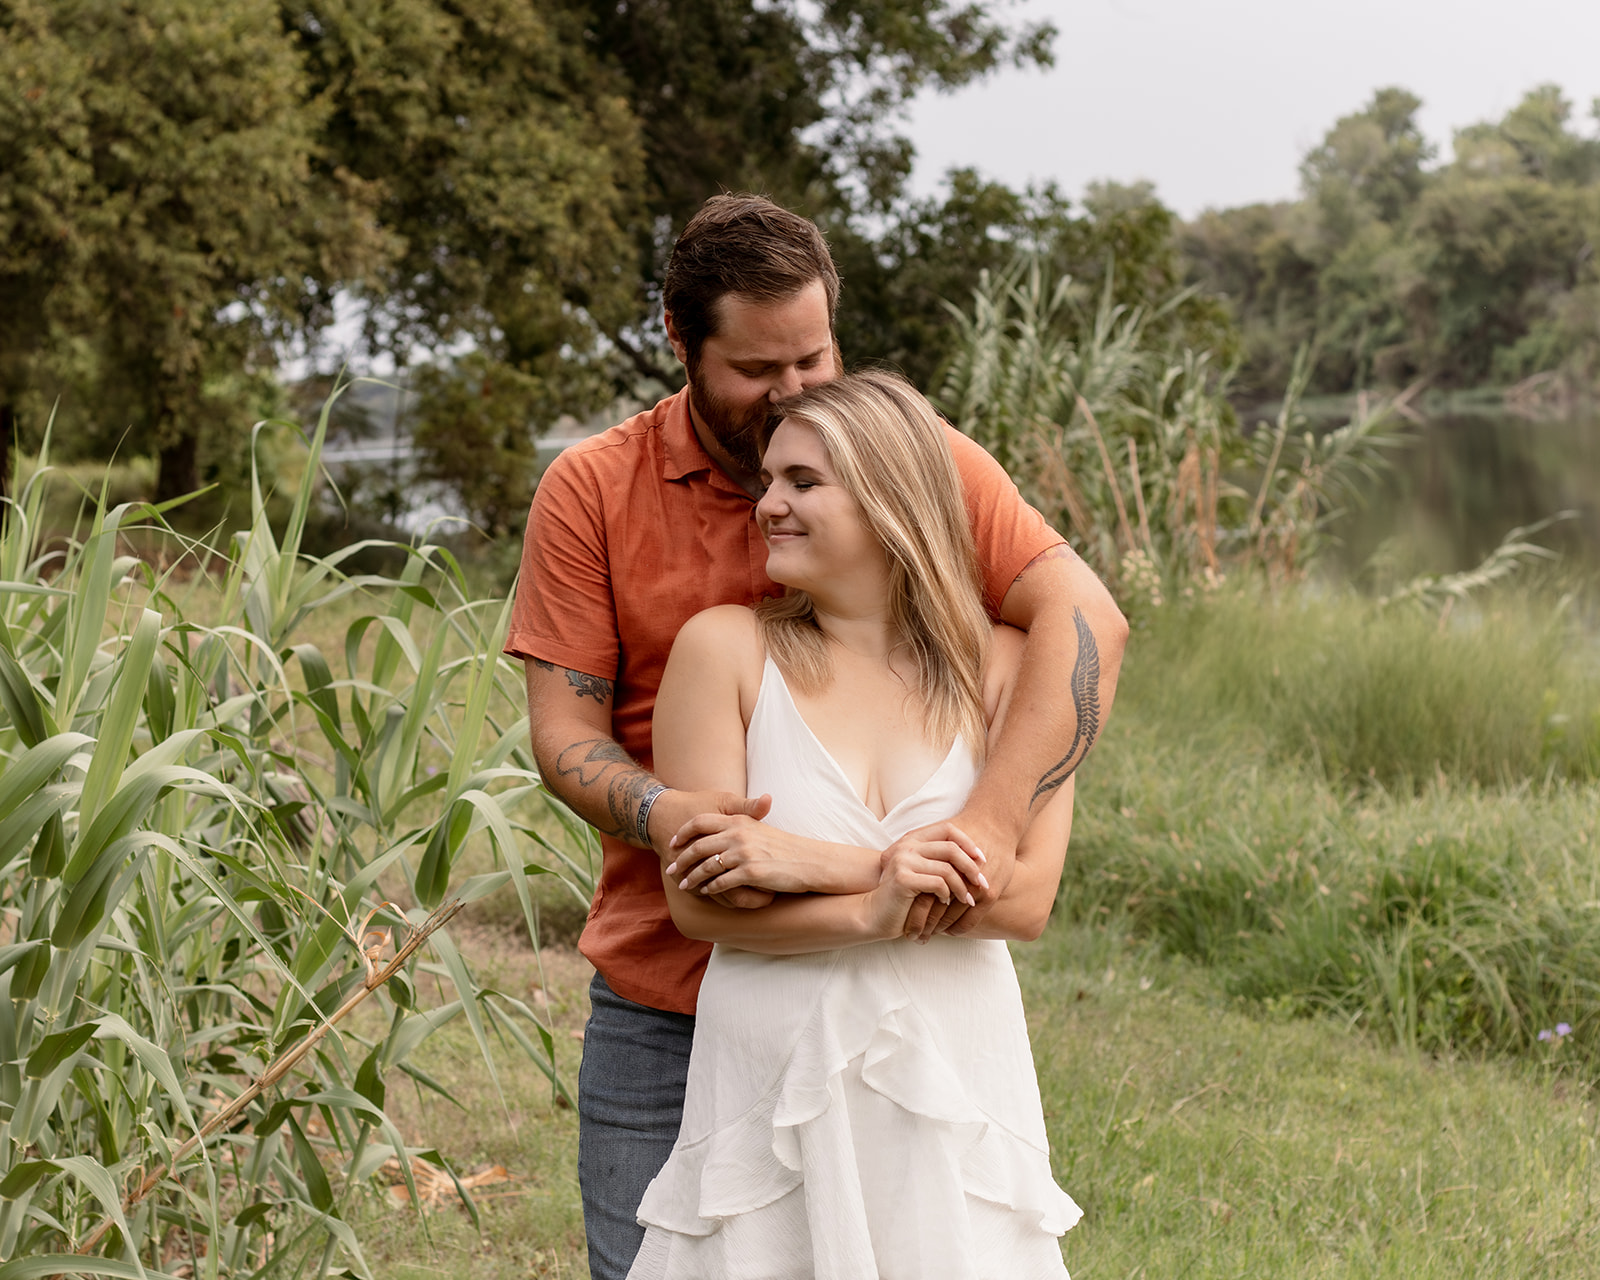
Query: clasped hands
{"x": 921, "y": 884}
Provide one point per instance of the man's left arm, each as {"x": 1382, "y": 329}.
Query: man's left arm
{"x": 1063, "y": 694}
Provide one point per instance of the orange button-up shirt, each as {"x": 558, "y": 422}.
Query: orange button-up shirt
{"x": 632, "y": 533}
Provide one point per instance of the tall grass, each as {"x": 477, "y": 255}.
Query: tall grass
{"x": 1500, "y": 694}
{"x": 202, "y": 827}
{"x": 1358, "y": 812}
{"x": 1132, "y": 445}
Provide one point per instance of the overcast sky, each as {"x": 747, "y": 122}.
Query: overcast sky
{"x": 1216, "y": 101}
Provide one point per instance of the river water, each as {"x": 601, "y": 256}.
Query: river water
{"x": 1464, "y": 480}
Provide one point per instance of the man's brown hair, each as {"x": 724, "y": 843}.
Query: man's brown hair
{"x": 747, "y": 245}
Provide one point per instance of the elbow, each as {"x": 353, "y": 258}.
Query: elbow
{"x": 1030, "y": 928}
{"x": 699, "y": 920}
{"x": 689, "y": 922}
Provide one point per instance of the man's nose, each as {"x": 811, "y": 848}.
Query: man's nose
{"x": 788, "y": 383}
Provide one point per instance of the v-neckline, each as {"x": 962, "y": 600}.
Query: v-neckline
{"x": 838, "y": 768}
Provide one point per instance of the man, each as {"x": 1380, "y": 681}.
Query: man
{"x": 638, "y": 529}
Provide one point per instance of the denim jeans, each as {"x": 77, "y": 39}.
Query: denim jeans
{"x": 630, "y": 1104}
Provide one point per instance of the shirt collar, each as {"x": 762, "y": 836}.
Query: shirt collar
{"x": 684, "y": 454}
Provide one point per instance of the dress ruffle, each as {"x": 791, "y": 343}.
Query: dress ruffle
{"x": 788, "y": 1167}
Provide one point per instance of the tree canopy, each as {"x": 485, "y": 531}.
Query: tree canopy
{"x": 1479, "y": 270}
{"x": 182, "y": 185}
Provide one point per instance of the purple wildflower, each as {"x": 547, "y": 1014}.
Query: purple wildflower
{"x": 1563, "y": 1029}
{"x": 1545, "y": 1034}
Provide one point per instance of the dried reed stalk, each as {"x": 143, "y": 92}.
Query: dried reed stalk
{"x": 1055, "y": 480}
{"x": 1138, "y": 496}
{"x": 279, "y": 1067}
{"x": 1111, "y": 474}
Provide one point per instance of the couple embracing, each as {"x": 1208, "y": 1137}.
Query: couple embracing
{"x": 821, "y": 679}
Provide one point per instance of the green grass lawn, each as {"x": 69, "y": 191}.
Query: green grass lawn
{"x": 1203, "y": 1138}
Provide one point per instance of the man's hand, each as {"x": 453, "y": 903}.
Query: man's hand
{"x": 675, "y": 810}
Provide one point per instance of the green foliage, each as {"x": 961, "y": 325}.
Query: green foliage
{"x": 1382, "y": 694}
{"x": 508, "y": 167}
{"x": 197, "y": 822}
{"x": 1473, "y": 271}
{"x": 1126, "y": 439}
{"x": 166, "y": 148}
{"x": 1357, "y": 812}
{"x": 893, "y": 307}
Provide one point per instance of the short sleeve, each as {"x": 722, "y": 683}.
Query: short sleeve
{"x": 565, "y": 612}
{"x": 1008, "y": 532}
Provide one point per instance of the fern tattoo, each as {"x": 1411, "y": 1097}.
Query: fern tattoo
{"x": 1086, "y": 702}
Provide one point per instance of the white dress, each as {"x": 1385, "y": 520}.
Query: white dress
{"x": 870, "y": 1113}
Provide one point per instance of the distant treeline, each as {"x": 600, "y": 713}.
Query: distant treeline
{"x": 1477, "y": 271}
{"x": 186, "y": 189}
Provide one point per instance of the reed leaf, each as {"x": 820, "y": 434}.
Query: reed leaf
{"x": 183, "y": 875}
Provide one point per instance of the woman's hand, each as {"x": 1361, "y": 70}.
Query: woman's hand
{"x": 938, "y": 860}
{"x": 718, "y": 853}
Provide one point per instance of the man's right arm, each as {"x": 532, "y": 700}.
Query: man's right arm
{"x": 569, "y": 715}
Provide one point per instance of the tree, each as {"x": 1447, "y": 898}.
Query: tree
{"x": 42, "y": 173}
{"x": 182, "y": 179}
{"x": 1369, "y": 164}
{"x": 796, "y": 100}
{"x": 899, "y": 284}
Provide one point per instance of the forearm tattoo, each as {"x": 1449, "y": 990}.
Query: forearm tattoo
{"x": 583, "y": 684}
{"x": 585, "y": 764}
{"x": 1086, "y": 702}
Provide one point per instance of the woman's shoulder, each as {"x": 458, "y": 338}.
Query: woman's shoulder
{"x": 726, "y": 637}
{"x": 723, "y": 626}
{"x": 1000, "y": 668}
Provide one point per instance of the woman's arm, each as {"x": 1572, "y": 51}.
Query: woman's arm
{"x": 708, "y": 691}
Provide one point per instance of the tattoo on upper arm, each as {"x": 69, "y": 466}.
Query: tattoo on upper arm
{"x": 588, "y": 686}
{"x": 1061, "y": 551}
{"x": 583, "y": 684}
{"x": 586, "y": 763}
{"x": 1086, "y": 702}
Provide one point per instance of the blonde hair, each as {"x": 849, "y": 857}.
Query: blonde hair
{"x": 889, "y": 450}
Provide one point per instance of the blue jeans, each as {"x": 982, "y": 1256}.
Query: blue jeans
{"x": 630, "y": 1104}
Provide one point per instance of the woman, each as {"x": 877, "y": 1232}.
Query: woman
{"x": 859, "y": 1107}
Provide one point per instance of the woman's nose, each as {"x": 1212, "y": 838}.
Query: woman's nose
{"x": 770, "y": 504}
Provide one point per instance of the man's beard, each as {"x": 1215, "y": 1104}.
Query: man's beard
{"x": 739, "y": 431}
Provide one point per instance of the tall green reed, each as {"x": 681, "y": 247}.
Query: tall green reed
{"x": 186, "y": 882}
{"x": 1131, "y": 445}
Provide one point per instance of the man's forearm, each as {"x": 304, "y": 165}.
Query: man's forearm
{"x": 790, "y": 926}
{"x": 1061, "y": 696}
{"x": 602, "y": 784}
{"x": 569, "y": 715}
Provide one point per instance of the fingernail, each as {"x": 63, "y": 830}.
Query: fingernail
{"x": 971, "y": 901}
{"x": 982, "y": 856}
{"x": 684, "y": 883}
{"x": 672, "y": 868}
{"x": 983, "y": 880}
